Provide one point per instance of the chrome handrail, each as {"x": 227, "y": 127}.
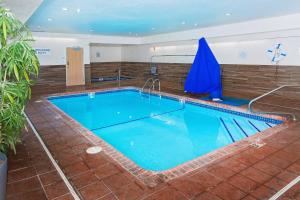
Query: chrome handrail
{"x": 268, "y": 93}
{"x": 149, "y": 79}
{"x": 153, "y": 84}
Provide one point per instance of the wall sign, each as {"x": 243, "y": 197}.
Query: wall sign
{"x": 42, "y": 51}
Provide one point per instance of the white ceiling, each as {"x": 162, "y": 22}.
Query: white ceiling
{"x": 143, "y": 17}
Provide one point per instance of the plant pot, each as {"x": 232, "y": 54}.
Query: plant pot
{"x": 3, "y": 175}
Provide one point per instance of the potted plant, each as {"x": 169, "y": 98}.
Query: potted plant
{"x": 18, "y": 65}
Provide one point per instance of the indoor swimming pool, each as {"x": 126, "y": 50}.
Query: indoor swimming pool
{"x": 157, "y": 132}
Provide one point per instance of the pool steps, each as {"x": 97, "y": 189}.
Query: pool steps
{"x": 254, "y": 126}
{"x": 236, "y": 131}
{"x": 241, "y": 128}
{"x": 225, "y": 126}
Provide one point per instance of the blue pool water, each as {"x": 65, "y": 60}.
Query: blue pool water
{"x": 159, "y": 133}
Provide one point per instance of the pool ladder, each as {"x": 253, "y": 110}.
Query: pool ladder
{"x": 151, "y": 83}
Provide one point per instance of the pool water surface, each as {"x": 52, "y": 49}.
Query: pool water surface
{"x": 156, "y": 132}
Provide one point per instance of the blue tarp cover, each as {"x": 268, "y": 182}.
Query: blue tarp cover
{"x": 205, "y": 74}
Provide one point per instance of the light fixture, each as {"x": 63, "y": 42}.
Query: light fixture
{"x": 153, "y": 28}
{"x": 49, "y": 19}
{"x": 183, "y": 23}
{"x": 78, "y": 10}
{"x": 91, "y": 30}
{"x": 195, "y": 24}
{"x": 228, "y": 14}
{"x": 65, "y": 9}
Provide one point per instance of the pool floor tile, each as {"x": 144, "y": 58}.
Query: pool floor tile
{"x": 65, "y": 197}
{"x": 106, "y": 171}
{"x": 220, "y": 171}
{"x": 287, "y": 176}
{"x": 277, "y": 162}
{"x": 293, "y": 193}
{"x": 132, "y": 191}
{"x": 32, "y": 195}
{"x": 228, "y": 192}
{"x": 109, "y": 196}
{"x": 167, "y": 194}
{"x": 94, "y": 161}
{"x": 76, "y": 169}
{"x": 243, "y": 183}
{"x": 256, "y": 175}
{"x": 207, "y": 196}
{"x": 118, "y": 181}
{"x": 56, "y": 189}
{"x": 94, "y": 191}
{"x": 249, "y": 197}
{"x": 189, "y": 186}
{"x": 207, "y": 180}
{"x": 25, "y": 185}
{"x": 267, "y": 168}
{"x": 49, "y": 178}
{"x": 263, "y": 192}
{"x": 84, "y": 179}
{"x": 20, "y": 174}
{"x": 294, "y": 168}
{"x": 276, "y": 184}
{"x": 233, "y": 164}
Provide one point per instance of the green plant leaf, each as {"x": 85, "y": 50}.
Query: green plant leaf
{"x": 16, "y": 71}
{"x": 4, "y": 30}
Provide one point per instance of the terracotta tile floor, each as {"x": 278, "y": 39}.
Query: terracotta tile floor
{"x": 31, "y": 174}
{"x": 252, "y": 174}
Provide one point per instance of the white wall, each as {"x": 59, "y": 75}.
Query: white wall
{"x": 253, "y": 52}
{"x": 58, "y": 47}
{"x": 58, "y": 43}
{"x": 105, "y": 53}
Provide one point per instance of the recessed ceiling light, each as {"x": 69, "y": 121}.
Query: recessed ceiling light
{"x": 183, "y": 23}
{"x": 49, "y": 19}
{"x": 195, "y": 24}
{"x": 78, "y": 10}
{"x": 91, "y": 30}
{"x": 64, "y": 9}
{"x": 228, "y": 14}
{"x": 153, "y": 28}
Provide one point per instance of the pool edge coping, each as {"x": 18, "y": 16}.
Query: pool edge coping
{"x": 152, "y": 178}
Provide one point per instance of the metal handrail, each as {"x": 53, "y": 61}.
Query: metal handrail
{"x": 149, "y": 79}
{"x": 268, "y": 93}
{"x": 119, "y": 76}
{"x": 153, "y": 85}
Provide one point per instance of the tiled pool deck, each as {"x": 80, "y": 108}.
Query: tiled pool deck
{"x": 247, "y": 173}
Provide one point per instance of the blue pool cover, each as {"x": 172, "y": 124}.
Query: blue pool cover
{"x": 205, "y": 74}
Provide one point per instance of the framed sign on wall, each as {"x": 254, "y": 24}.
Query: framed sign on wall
{"x": 43, "y": 51}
